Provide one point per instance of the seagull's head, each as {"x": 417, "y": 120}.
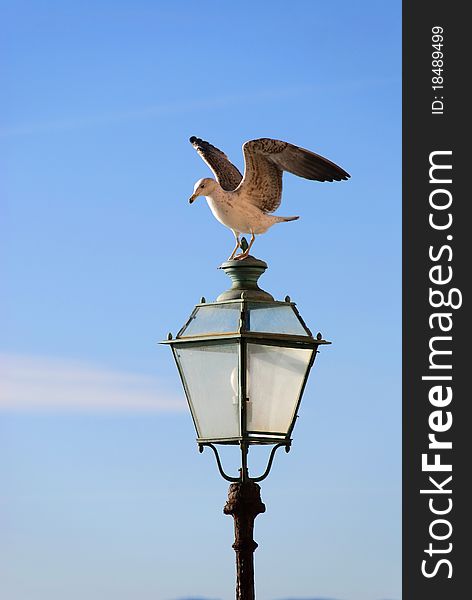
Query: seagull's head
{"x": 203, "y": 187}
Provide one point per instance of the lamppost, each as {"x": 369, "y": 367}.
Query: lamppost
{"x": 244, "y": 362}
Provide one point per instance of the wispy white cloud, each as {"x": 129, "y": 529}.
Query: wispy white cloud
{"x": 185, "y": 106}
{"x": 44, "y": 383}
{"x": 149, "y": 112}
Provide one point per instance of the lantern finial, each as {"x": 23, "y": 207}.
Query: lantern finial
{"x": 244, "y": 275}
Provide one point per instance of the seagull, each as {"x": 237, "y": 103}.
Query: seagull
{"x": 244, "y": 203}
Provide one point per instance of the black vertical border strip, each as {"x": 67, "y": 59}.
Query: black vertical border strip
{"x": 423, "y": 133}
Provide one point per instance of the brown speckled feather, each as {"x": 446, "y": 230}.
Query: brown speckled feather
{"x": 266, "y": 159}
{"x": 227, "y": 175}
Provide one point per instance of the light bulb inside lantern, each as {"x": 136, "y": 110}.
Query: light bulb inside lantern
{"x": 234, "y": 385}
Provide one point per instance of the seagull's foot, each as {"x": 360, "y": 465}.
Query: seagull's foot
{"x": 242, "y": 256}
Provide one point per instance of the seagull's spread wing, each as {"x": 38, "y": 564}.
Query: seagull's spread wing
{"x": 266, "y": 159}
{"x": 227, "y": 175}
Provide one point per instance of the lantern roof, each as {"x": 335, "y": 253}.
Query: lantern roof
{"x": 219, "y": 318}
{"x": 245, "y": 309}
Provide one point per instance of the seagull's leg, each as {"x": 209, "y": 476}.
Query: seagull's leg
{"x": 238, "y": 244}
{"x": 246, "y": 252}
{"x": 253, "y": 237}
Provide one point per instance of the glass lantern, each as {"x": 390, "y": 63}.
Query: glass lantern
{"x": 244, "y": 361}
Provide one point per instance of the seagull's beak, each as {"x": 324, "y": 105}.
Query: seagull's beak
{"x": 193, "y": 197}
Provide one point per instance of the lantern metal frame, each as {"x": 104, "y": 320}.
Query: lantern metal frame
{"x": 246, "y": 294}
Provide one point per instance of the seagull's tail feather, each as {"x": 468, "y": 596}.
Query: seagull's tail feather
{"x": 285, "y": 219}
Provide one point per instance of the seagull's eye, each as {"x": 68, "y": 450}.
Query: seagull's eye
{"x": 203, "y": 185}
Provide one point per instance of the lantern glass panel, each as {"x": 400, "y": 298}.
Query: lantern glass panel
{"x": 210, "y": 376}
{"x": 213, "y": 319}
{"x": 275, "y": 378}
{"x": 275, "y": 319}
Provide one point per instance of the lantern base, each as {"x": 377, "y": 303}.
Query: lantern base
{"x": 250, "y": 439}
{"x": 243, "y": 471}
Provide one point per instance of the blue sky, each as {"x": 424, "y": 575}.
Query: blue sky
{"x": 103, "y": 492}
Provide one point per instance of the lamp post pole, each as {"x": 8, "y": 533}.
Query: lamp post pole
{"x": 244, "y": 504}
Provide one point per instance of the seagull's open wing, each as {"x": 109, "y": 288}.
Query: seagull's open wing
{"x": 266, "y": 159}
{"x": 227, "y": 175}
